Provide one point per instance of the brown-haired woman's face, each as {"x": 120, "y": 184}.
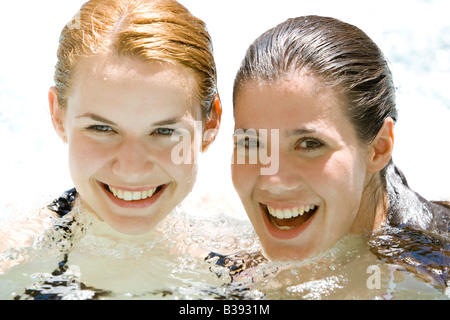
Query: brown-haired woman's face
{"x": 314, "y": 198}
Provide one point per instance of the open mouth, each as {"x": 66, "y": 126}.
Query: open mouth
{"x": 289, "y": 218}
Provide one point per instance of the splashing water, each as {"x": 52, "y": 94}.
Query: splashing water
{"x": 219, "y": 257}
{"x": 192, "y": 257}
{"x": 79, "y": 257}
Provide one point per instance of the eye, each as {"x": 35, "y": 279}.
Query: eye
{"x": 310, "y": 144}
{"x": 100, "y": 129}
{"x": 164, "y": 131}
{"x": 248, "y": 143}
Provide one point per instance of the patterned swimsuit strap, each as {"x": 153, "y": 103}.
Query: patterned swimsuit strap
{"x": 64, "y": 204}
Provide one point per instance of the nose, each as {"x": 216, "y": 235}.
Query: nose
{"x": 132, "y": 160}
{"x": 287, "y": 178}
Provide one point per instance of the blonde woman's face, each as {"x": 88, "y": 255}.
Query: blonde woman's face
{"x": 119, "y": 124}
{"x": 313, "y": 199}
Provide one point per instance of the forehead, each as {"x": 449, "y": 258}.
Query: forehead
{"x": 117, "y": 82}
{"x": 297, "y": 98}
{"x": 115, "y": 67}
{"x": 112, "y": 70}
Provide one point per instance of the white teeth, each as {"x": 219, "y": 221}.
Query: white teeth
{"x": 131, "y": 195}
{"x": 127, "y": 196}
{"x": 290, "y": 213}
{"x": 137, "y": 195}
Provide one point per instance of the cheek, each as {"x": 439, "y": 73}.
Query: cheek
{"x": 179, "y": 161}
{"x": 341, "y": 173}
{"x": 242, "y": 178}
{"x": 245, "y": 180}
{"x": 85, "y": 157}
{"x": 185, "y": 176}
{"x": 342, "y": 184}
{"x": 180, "y": 170}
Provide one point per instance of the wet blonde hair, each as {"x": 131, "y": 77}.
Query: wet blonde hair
{"x": 150, "y": 30}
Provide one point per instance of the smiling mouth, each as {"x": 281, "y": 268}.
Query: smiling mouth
{"x": 128, "y": 195}
{"x": 290, "y": 218}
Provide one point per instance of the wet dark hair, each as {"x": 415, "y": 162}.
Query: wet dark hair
{"x": 338, "y": 53}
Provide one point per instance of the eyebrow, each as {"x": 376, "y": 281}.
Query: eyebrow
{"x": 289, "y": 133}
{"x": 300, "y": 132}
{"x": 252, "y": 132}
{"x": 169, "y": 121}
{"x": 96, "y": 117}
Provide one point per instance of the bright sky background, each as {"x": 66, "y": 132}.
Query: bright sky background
{"x": 33, "y": 159}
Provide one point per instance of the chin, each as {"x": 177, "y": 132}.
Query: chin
{"x": 132, "y": 225}
{"x": 284, "y": 254}
{"x": 285, "y": 251}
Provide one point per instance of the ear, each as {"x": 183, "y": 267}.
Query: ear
{"x": 212, "y": 123}
{"x": 382, "y": 147}
{"x": 57, "y": 114}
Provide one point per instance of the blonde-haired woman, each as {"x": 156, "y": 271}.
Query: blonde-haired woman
{"x": 133, "y": 80}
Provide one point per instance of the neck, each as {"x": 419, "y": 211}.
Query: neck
{"x": 373, "y": 209}
{"x": 101, "y": 229}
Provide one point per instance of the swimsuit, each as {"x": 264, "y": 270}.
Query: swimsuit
{"x": 62, "y": 285}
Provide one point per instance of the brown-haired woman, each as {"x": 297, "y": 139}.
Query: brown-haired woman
{"x": 327, "y": 89}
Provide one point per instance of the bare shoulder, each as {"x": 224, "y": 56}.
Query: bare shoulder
{"x": 20, "y": 231}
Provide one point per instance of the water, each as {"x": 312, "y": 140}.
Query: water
{"x": 168, "y": 263}
{"x": 216, "y": 257}
{"x": 172, "y": 265}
